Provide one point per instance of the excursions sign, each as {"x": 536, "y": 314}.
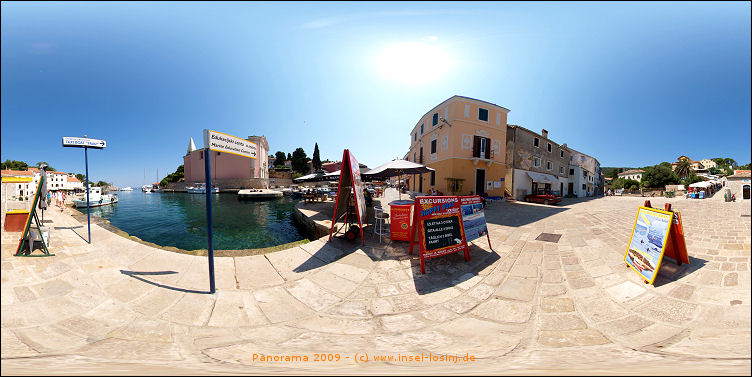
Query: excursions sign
{"x": 438, "y": 221}
{"x": 222, "y": 142}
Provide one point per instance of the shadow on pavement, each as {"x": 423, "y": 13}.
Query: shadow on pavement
{"x": 670, "y": 271}
{"x": 73, "y": 229}
{"x": 515, "y": 214}
{"x": 136, "y": 275}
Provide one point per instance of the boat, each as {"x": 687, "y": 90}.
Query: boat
{"x": 201, "y": 189}
{"x": 259, "y": 194}
{"x": 146, "y": 188}
{"x": 96, "y": 198}
{"x": 127, "y": 188}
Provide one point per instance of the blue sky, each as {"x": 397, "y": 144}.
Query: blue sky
{"x": 631, "y": 84}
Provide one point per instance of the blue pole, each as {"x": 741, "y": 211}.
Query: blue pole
{"x": 209, "y": 227}
{"x": 86, "y": 185}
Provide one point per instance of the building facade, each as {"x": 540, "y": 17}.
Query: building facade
{"x": 536, "y": 162}
{"x": 739, "y": 184}
{"x": 708, "y": 163}
{"x": 463, "y": 140}
{"x": 635, "y": 174}
{"x": 229, "y": 170}
{"x": 585, "y": 178}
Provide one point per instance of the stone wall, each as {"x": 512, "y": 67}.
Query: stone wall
{"x": 225, "y": 184}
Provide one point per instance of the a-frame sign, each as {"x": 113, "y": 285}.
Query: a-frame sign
{"x": 349, "y": 189}
{"x": 21, "y": 250}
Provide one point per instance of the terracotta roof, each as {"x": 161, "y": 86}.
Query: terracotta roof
{"x": 73, "y": 179}
{"x": 632, "y": 171}
{"x": 740, "y": 174}
{"x": 17, "y": 173}
{"x": 58, "y": 172}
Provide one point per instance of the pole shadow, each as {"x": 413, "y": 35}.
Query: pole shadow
{"x": 135, "y": 275}
{"x": 73, "y": 229}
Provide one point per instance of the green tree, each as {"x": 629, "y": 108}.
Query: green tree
{"x": 173, "y": 177}
{"x": 14, "y": 165}
{"x": 48, "y": 168}
{"x": 101, "y": 184}
{"x": 300, "y": 161}
{"x": 81, "y": 177}
{"x": 316, "y": 158}
{"x": 658, "y": 176}
{"x": 692, "y": 178}
{"x": 683, "y": 169}
{"x": 279, "y": 158}
{"x": 744, "y": 167}
{"x": 289, "y": 156}
{"x": 715, "y": 171}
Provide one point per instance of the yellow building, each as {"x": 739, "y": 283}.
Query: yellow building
{"x": 464, "y": 140}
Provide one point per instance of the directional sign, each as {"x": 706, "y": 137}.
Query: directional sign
{"x": 82, "y": 142}
{"x": 220, "y": 142}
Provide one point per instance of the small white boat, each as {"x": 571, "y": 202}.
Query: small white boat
{"x": 146, "y": 188}
{"x": 127, "y": 188}
{"x": 96, "y": 198}
{"x": 201, "y": 189}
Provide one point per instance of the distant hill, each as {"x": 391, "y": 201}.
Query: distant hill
{"x": 606, "y": 170}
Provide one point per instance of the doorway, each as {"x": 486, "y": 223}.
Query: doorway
{"x": 480, "y": 181}
{"x": 561, "y": 188}
{"x": 745, "y": 192}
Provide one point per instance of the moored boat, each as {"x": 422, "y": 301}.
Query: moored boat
{"x": 96, "y": 198}
{"x": 201, "y": 189}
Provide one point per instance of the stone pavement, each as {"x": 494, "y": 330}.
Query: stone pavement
{"x": 525, "y": 307}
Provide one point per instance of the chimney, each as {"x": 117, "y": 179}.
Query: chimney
{"x": 544, "y": 133}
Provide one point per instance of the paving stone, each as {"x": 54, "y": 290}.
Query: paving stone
{"x": 312, "y": 295}
{"x": 333, "y": 283}
{"x": 524, "y": 271}
{"x": 256, "y": 272}
{"x": 625, "y": 291}
{"x": 557, "y": 304}
{"x": 624, "y": 325}
{"x": 353, "y": 308}
{"x": 571, "y": 338}
{"x": 517, "y": 289}
{"x": 652, "y": 334}
{"x": 293, "y": 264}
{"x": 379, "y": 306}
{"x": 553, "y": 290}
{"x": 473, "y": 335}
{"x": 279, "y": 306}
{"x": 401, "y": 322}
{"x": 731, "y": 279}
{"x": 504, "y": 311}
{"x": 349, "y": 272}
{"x": 193, "y": 309}
{"x": 462, "y": 304}
{"x": 438, "y": 314}
{"x": 552, "y": 276}
{"x": 337, "y": 325}
{"x": 561, "y": 322}
{"x": 481, "y": 292}
{"x": 236, "y": 308}
{"x": 712, "y": 343}
{"x": 602, "y": 309}
{"x": 668, "y": 310}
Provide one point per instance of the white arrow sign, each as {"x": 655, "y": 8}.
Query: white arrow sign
{"x": 82, "y": 142}
{"x": 220, "y": 142}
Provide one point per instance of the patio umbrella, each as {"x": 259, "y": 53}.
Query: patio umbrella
{"x": 397, "y": 168}
{"x": 310, "y": 177}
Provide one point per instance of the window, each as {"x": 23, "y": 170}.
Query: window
{"x": 549, "y": 166}
{"x": 201, "y": 156}
{"x": 561, "y": 170}
{"x": 415, "y": 136}
{"x": 549, "y": 147}
{"x": 421, "y": 128}
{"x": 536, "y": 142}
{"x": 561, "y": 152}
{"x": 583, "y": 187}
{"x": 481, "y": 147}
{"x": 435, "y": 119}
{"x": 483, "y": 114}
{"x": 433, "y": 178}
{"x": 433, "y": 146}
{"x": 536, "y": 162}
{"x": 414, "y": 160}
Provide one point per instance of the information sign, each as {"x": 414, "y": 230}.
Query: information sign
{"x": 83, "y": 142}
{"x": 221, "y": 142}
{"x": 399, "y": 219}
{"x": 473, "y": 218}
{"x": 438, "y": 221}
{"x": 648, "y": 241}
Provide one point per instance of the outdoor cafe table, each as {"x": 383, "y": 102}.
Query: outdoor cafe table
{"x": 400, "y": 215}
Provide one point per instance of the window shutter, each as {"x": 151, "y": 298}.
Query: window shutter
{"x": 476, "y": 146}
{"x": 488, "y": 149}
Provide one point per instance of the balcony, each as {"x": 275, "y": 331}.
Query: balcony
{"x": 483, "y": 157}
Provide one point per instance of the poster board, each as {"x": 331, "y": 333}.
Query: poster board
{"x": 33, "y": 216}
{"x": 648, "y": 242}
{"x": 438, "y": 222}
{"x": 400, "y": 215}
{"x": 474, "y": 218}
{"x": 350, "y": 187}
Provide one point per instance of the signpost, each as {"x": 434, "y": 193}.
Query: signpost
{"x": 655, "y": 233}
{"x": 438, "y": 221}
{"x": 220, "y": 142}
{"x": 85, "y": 143}
{"x": 349, "y": 185}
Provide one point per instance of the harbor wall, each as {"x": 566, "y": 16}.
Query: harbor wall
{"x": 225, "y": 184}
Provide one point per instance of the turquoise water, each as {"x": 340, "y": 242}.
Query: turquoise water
{"x": 179, "y": 220}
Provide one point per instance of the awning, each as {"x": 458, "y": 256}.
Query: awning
{"x": 540, "y": 177}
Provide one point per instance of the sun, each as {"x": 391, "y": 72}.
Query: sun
{"x": 413, "y": 62}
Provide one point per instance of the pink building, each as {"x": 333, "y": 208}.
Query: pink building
{"x": 229, "y": 170}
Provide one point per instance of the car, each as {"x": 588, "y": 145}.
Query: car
{"x": 543, "y": 196}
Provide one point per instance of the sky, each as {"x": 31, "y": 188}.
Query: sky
{"x": 631, "y": 84}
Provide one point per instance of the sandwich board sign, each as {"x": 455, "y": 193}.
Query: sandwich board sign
{"x": 21, "y": 251}
{"x": 350, "y": 188}
{"x": 473, "y": 218}
{"x": 438, "y": 222}
{"x": 655, "y": 233}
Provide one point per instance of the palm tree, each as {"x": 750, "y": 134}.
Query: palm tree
{"x": 683, "y": 168}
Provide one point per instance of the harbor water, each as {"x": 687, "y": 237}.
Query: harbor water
{"x": 179, "y": 220}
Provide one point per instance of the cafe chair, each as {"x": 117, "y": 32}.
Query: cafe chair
{"x": 380, "y": 227}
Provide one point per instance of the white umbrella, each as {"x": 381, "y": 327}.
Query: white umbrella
{"x": 397, "y": 168}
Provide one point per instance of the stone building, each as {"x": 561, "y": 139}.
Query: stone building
{"x": 229, "y": 171}
{"x": 537, "y": 162}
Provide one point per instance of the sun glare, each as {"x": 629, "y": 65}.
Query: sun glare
{"x": 413, "y": 62}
